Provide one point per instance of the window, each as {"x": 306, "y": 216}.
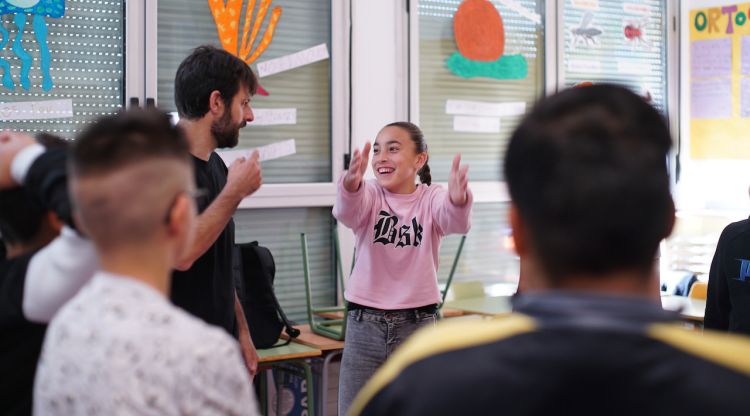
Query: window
{"x": 185, "y": 24}
{"x": 488, "y": 254}
{"x": 616, "y": 42}
{"x": 479, "y": 133}
{"x": 472, "y": 108}
{"x": 298, "y": 190}
{"x": 80, "y": 79}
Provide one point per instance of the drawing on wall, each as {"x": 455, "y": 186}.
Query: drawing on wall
{"x": 635, "y": 33}
{"x": 21, "y": 10}
{"x": 584, "y": 33}
{"x": 227, "y": 14}
{"x": 480, "y": 37}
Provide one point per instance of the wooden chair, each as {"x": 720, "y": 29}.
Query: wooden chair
{"x": 698, "y": 290}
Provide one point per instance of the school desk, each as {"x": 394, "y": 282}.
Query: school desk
{"x": 330, "y": 348}
{"x": 290, "y": 353}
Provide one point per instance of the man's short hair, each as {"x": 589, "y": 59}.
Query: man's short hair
{"x": 205, "y": 70}
{"x": 126, "y": 170}
{"x": 587, "y": 171}
{"x": 125, "y": 138}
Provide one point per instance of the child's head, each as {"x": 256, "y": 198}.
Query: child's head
{"x": 399, "y": 155}
{"x": 587, "y": 175}
{"x": 131, "y": 181}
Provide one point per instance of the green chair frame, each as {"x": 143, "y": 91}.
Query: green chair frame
{"x": 454, "y": 266}
{"x": 331, "y": 328}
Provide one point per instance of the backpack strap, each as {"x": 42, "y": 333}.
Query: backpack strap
{"x": 288, "y": 328}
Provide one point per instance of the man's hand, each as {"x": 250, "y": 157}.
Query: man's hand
{"x": 250, "y": 355}
{"x": 357, "y": 168}
{"x": 458, "y": 182}
{"x": 244, "y": 176}
{"x": 11, "y": 143}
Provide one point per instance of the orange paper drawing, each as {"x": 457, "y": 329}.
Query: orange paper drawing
{"x": 478, "y": 30}
{"x": 227, "y": 14}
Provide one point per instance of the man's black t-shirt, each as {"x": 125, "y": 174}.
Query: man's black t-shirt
{"x": 20, "y": 340}
{"x": 206, "y": 290}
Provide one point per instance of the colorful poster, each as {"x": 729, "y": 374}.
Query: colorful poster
{"x": 711, "y": 58}
{"x": 719, "y": 74}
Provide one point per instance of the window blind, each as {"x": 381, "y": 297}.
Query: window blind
{"x": 487, "y": 255}
{"x": 617, "y": 42}
{"x": 86, "y": 61}
{"x": 279, "y": 230}
{"x": 437, "y": 84}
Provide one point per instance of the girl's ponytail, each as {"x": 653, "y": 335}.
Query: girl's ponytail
{"x": 424, "y": 174}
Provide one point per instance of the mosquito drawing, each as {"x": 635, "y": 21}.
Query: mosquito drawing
{"x": 584, "y": 33}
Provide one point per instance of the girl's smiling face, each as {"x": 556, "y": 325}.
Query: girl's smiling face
{"x": 395, "y": 160}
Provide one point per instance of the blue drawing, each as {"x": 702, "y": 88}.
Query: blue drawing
{"x": 20, "y": 9}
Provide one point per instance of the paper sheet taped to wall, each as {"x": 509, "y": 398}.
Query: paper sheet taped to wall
{"x": 273, "y": 116}
{"x": 267, "y": 152}
{"x": 285, "y": 63}
{"x": 479, "y": 108}
{"x": 472, "y": 124}
{"x": 36, "y": 110}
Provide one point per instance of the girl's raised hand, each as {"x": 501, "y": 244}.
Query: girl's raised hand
{"x": 458, "y": 182}
{"x": 357, "y": 168}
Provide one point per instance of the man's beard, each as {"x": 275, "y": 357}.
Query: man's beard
{"x": 225, "y": 132}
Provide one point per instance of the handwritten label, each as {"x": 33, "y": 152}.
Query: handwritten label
{"x": 273, "y": 116}
{"x": 711, "y": 98}
{"x": 476, "y": 124}
{"x": 631, "y": 66}
{"x": 633, "y": 8}
{"x": 267, "y": 152}
{"x": 711, "y": 58}
{"x": 36, "y": 110}
{"x": 584, "y": 66}
{"x": 479, "y": 108}
{"x": 285, "y": 63}
{"x": 586, "y": 4}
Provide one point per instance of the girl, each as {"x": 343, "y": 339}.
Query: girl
{"x": 398, "y": 226}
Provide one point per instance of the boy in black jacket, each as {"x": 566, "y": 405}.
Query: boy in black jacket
{"x": 728, "y": 299}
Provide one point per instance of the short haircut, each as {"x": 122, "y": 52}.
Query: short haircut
{"x": 127, "y": 137}
{"x": 587, "y": 171}
{"x": 205, "y": 70}
{"x": 125, "y": 170}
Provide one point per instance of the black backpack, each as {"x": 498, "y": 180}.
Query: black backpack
{"x": 265, "y": 319}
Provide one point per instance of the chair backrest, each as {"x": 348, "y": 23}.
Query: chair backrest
{"x": 454, "y": 266}
{"x": 698, "y": 290}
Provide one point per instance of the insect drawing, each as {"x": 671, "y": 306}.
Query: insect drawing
{"x": 584, "y": 33}
{"x": 635, "y": 33}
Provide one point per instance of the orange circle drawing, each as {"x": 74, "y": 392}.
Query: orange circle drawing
{"x": 478, "y": 30}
